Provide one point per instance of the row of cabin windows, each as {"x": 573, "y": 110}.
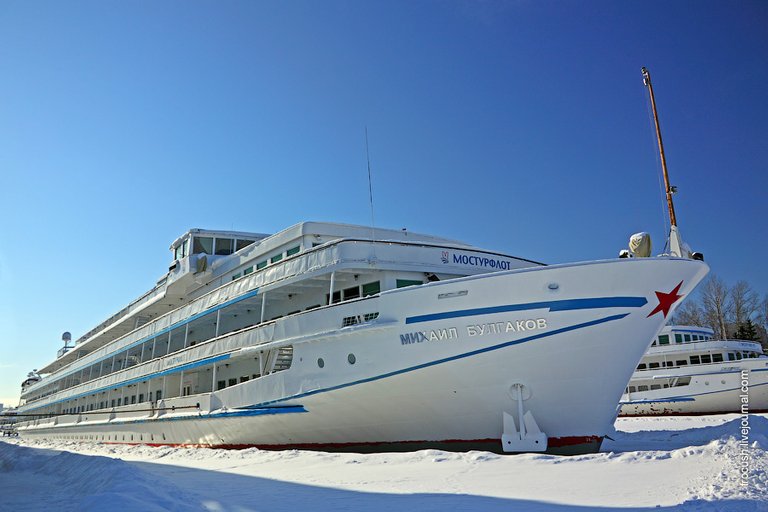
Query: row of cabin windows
{"x": 115, "y": 402}
{"x": 264, "y": 263}
{"x": 680, "y": 381}
{"x": 663, "y": 339}
{"x": 354, "y": 292}
{"x": 215, "y": 245}
{"x": 700, "y": 359}
{"x": 221, "y": 384}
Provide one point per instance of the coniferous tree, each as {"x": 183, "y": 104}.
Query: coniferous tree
{"x": 747, "y": 331}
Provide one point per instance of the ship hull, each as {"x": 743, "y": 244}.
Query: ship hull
{"x": 726, "y": 390}
{"x": 439, "y": 368}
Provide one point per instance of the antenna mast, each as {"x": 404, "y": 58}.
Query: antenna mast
{"x": 370, "y": 185}
{"x": 669, "y": 189}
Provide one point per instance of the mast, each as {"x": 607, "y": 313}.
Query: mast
{"x": 669, "y": 189}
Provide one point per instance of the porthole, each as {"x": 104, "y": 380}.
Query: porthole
{"x": 351, "y": 358}
{"x": 320, "y": 362}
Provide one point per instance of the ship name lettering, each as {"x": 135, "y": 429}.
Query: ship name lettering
{"x": 530, "y": 324}
{"x": 410, "y": 338}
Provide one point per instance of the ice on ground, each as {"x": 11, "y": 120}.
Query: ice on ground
{"x": 687, "y": 463}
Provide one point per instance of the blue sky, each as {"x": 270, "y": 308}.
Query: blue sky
{"x": 518, "y": 126}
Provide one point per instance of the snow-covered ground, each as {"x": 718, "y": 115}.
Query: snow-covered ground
{"x": 689, "y": 463}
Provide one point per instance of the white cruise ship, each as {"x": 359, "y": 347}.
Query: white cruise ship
{"x": 331, "y": 336}
{"x": 687, "y": 371}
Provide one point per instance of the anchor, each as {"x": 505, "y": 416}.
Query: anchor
{"x": 529, "y": 438}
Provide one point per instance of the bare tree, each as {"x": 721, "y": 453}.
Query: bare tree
{"x": 762, "y": 316}
{"x": 745, "y": 302}
{"x": 689, "y": 313}
{"x": 717, "y": 305}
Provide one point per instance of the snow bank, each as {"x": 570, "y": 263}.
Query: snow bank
{"x": 683, "y": 463}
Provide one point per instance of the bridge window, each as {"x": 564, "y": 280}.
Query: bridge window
{"x": 717, "y": 358}
{"x": 678, "y": 338}
{"x": 705, "y": 359}
{"x": 402, "y": 283}
{"x": 695, "y": 360}
{"x": 687, "y": 338}
{"x": 202, "y": 244}
{"x": 664, "y": 339}
{"x": 224, "y": 246}
{"x": 242, "y": 244}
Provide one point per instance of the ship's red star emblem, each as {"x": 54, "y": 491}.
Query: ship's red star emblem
{"x": 666, "y": 300}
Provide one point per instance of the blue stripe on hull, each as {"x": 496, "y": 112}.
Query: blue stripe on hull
{"x": 557, "y": 305}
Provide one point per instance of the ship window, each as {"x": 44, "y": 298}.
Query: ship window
{"x": 641, "y": 366}
{"x": 738, "y": 356}
{"x": 276, "y": 258}
{"x": 654, "y": 343}
{"x": 336, "y": 297}
{"x": 292, "y": 251}
{"x": 678, "y": 338}
{"x": 681, "y": 362}
{"x": 717, "y": 358}
{"x": 133, "y": 399}
{"x": 261, "y": 264}
{"x": 655, "y": 386}
{"x": 731, "y": 356}
{"x": 242, "y": 244}
{"x": 224, "y": 246}
{"x": 119, "y": 402}
{"x": 221, "y": 384}
{"x": 247, "y": 271}
{"x": 232, "y": 382}
{"x": 180, "y": 251}
{"x": 141, "y": 397}
{"x": 158, "y": 394}
{"x": 113, "y": 403}
{"x": 653, "y": 365}
{"x": 315, "y": 244}
{"x": 687, "y": 338}
{"x": 695, "y": 360}
{"x": 642, "y": 388}
{"x": 351, "y": 293}
{"x": 683, "y": 381}
{"x": 402, "y": 283}
{"x": 244, "y": 378}
{"x": 202, "y": 244}
{"x": 664, "y": 339}
{"x": 236, "y": 276}
{"x": 706, "y": 358}
{"x": 371, "y": 288}
{"x": 632, "y": 389}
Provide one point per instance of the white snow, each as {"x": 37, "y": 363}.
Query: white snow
{"x": 688, "y": 463}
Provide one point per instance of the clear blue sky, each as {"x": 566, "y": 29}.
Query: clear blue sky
{"x": 520, "y": 126}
